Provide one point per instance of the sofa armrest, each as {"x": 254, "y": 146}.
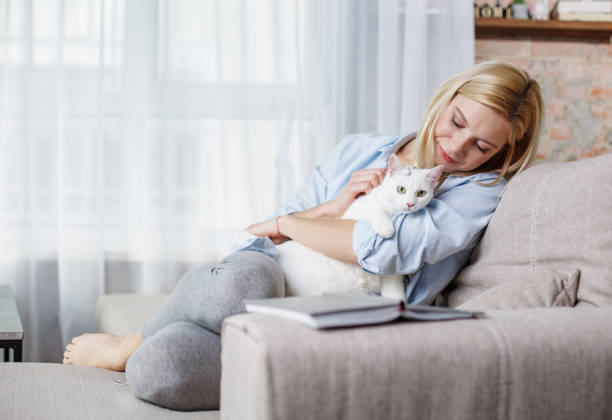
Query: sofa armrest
{"x": 516, "y": 364}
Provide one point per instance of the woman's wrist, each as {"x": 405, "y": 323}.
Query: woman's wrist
{"x": 281, "y": 225}
{"x": 277, "y": 228}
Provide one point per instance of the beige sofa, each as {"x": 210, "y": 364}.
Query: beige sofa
{"x": 542, "y": 272}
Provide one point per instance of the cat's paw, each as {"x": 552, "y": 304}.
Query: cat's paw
{"x": 382, "y": 225}
{"x": 386, "y": 230}
{"x": 394, "y": 290}
{"x": 387, "y": 233}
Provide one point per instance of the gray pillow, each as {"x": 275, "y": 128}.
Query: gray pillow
{"x": 551, "y": 289}
{"x": 553, "y": 217}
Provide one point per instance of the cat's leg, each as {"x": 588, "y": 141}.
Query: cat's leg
{"x": 393, "y": 287}
{"x": 382, "y": 225}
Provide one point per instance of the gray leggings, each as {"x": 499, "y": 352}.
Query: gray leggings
{"x": 178, "y": 364}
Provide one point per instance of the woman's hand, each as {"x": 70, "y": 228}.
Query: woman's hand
{"x": 362, "y": 182}
{"x": 268, "y": 228}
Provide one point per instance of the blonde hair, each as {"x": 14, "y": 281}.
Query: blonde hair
{"x": 508, "y": 90}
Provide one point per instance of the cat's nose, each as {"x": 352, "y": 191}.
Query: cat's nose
{"x": 410, "y": 205}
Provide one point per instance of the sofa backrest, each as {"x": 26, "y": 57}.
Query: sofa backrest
{"x": 553, "y": 219}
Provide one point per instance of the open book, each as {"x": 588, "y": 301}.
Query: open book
{"x": 343, "y": 309}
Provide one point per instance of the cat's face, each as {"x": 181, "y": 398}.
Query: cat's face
{"x": 408, "y": 189}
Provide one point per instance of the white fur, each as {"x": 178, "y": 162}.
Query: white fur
{"x": 311, "y": 273}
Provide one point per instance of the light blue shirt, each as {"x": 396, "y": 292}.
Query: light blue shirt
{"x": 429, "y": 246}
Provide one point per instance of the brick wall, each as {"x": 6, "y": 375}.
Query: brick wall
{"x": 576, "y": 82}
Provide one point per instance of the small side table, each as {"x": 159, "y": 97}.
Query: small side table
{"x": 11, "y": 330}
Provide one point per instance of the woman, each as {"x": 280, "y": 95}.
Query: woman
{"x": 481, "y": 125}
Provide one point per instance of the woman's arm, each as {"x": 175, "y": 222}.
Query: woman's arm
{"x": 320, "y": 227}
{"x": 332, "y": 237}
{"x": 361, "y": 182}
{"x": 323, "y": 211}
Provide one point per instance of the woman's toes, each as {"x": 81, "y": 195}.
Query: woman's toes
{"x": 67, "y": 355}
{"x": 76, "y": 339}
{"x": 66, "y": 362}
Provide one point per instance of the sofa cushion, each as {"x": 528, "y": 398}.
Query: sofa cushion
{"x": 124, "y": 314}
{"x": 555, "y": 217}
{"x": 551, "y": 289}
{"x": 53, "y": 391}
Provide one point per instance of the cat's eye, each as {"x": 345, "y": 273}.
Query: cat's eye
{"x": 401, "y": 189}
{"x": 421, "y": 193}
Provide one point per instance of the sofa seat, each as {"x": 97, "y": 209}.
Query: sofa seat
{"x": 57, "y": 391}
{"x": 52, "y": 391}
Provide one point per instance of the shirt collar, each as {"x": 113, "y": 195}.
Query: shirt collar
{"x": 393, "y": 147}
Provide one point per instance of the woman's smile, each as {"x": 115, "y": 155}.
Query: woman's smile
{"x": 445, "y": 156}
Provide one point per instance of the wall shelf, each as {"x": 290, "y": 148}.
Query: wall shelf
{"x": 496, "y": 28}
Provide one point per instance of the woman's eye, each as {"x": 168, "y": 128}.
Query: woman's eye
{"x": 421, "y": 193}
{"x": 482, "y": 150}
{"x": 401, "y": 189}
{"x": 456, "y": 124}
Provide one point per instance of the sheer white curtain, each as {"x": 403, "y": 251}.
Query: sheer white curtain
{"x": 137, "y": 137}
{"x": 376, "y": 63}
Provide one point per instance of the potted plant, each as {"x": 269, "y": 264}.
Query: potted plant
{"x": 519, "y": 9}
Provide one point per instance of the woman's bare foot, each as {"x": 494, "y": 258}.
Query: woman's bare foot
{"x": 105, "y": 351}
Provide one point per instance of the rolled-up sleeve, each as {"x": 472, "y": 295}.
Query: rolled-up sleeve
{"x": 448, "y": 225}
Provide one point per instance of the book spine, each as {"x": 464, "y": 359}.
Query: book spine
{"x": 586, "y": 17}
{"x": 584, "y": 6}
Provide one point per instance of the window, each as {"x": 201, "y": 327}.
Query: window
{"x": 160, "y": 114}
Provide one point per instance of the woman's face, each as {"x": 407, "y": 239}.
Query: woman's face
{"x": 468, "y": 134}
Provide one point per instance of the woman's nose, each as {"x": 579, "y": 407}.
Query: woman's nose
{"x": 457, "y": 147}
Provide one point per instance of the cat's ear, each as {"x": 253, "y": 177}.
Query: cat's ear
{"x": 395, "y": 164}
{"x": 434, "y": 174}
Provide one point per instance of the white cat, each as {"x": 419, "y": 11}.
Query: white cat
{"x": 405, "y": 189}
